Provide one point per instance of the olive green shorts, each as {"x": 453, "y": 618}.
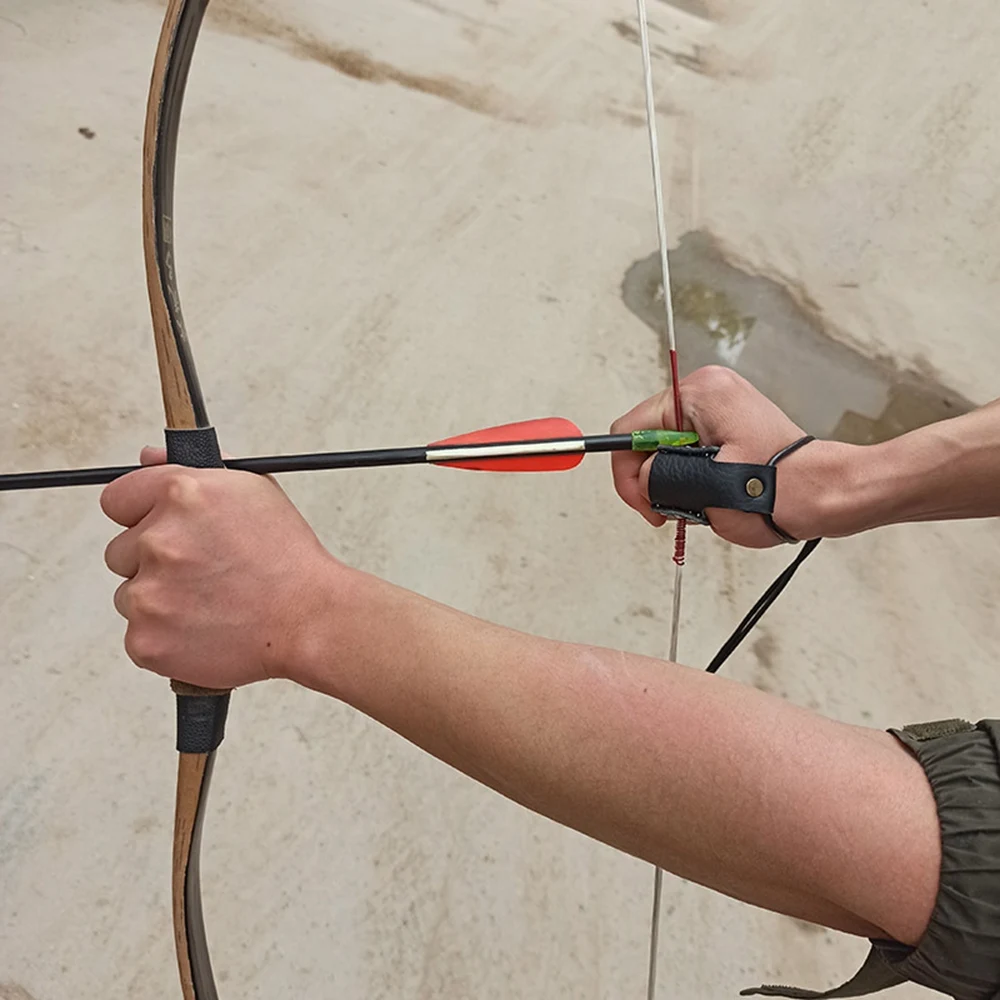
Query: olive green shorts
{"x": 959, "y": 954}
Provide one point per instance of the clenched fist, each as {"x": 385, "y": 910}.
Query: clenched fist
{"x": 220, "y": 572}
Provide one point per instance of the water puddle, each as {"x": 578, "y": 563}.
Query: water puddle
{"x": 753, "y": 325}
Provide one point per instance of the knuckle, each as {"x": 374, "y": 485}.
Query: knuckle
{"x": 143, "y": 648}
{"x": 714, "y": 378}
{"x": 183, "y": 490}
{"x": 169, "y": 553}
{"x": 159, "y": 547}
{"x": 143, "y": 603}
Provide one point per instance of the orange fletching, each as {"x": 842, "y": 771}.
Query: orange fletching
{"x": 544, "y": 429}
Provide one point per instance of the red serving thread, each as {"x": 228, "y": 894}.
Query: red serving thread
{"x": 675, "y": 380}
{"x": 680, "y": 539}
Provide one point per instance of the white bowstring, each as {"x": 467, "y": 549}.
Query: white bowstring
{"x": 654, "y": 152}
{"x": 654, "y": 923}
{"x": 668, "y": 305}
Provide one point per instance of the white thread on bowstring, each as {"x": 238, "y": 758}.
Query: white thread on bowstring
{"x": 668, "y": 305}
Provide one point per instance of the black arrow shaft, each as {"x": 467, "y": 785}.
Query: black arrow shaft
{"x": 325, "y": 461}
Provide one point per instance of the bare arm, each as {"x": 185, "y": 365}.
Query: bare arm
{"x": 714, "y": 781}
{"x": 944, "y": 471}
{"x": 226, "y": 584}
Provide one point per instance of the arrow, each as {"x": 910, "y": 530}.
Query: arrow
{"x": 549, "y": 444}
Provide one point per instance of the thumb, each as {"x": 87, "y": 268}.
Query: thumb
{"x": 151, "y": 455}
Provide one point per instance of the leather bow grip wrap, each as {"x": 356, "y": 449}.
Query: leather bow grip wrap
{"x": 684, "y": 482}
{"x": 201, "y": 713}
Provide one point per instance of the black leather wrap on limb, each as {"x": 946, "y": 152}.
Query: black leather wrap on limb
{"x": 201, "y": 717}
{"x": 197, "y": 448}
{"x": 685, "y": 481}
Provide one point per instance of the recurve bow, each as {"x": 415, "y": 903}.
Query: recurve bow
{"x": 191, "y": 441}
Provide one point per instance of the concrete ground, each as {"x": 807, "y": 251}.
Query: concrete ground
{"x": 397, "y": 220}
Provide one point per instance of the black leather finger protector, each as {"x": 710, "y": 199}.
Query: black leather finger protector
{"x": 197, "y": 449}
{"x": 684, "y": 482}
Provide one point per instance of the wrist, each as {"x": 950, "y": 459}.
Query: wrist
{"x": 342, "y": 646}
{"x": 829, "y": 489}
{"x": 314, "y": 627}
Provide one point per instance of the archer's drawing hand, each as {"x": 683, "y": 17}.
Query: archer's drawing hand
{"x": 727, "y": 411}
{"x": 220, "y": 571}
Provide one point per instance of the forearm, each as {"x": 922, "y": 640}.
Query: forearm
{"x": 944, "y": 471}
{"x": 714, "y": 781}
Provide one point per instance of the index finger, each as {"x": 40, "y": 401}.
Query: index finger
{"x": 655, "y": 413}
{"x": 129, "y": 499}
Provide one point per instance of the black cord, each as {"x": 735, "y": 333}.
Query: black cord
{"x": 772, "y": 593}
{"x": 755, "y": 614}
{"x": 784, "y": 453}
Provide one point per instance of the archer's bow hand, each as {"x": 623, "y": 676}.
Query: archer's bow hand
{"x": 220, "y": 570}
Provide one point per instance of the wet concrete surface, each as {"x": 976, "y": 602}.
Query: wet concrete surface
{"x": 774, "y": 335}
